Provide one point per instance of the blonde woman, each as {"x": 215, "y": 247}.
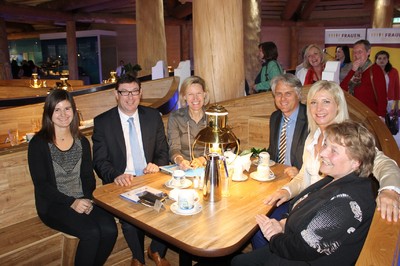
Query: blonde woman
{"x": 314, "y": 64}
{"x": 185, "y": 123}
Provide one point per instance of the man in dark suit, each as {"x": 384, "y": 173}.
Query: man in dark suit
{"x": 287, "y": 94}
{"x": 117, "y": 158}
{"x": 286, "y": 90}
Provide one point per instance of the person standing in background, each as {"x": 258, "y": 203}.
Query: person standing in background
{"x": 120, "y": 68}
{"x": 342, "y": 55}
{"x": 268, "y": 55}
{"x": 392, "y": 79}
{"x": 314, "y": 64}
{"x": 365, "y": 80}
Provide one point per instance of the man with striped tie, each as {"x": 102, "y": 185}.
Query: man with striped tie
{"x": 288, "y": 130}
{"x": 288, "y": 127}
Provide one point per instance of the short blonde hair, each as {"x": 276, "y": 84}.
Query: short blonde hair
{"x": 337, "y": 93}
{"x": 306, "y": 63}
{"x": 190, "y": 81}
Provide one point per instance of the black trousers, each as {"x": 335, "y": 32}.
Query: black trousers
{"x": 97, "y": 232}
{"x": 135, "y": 239}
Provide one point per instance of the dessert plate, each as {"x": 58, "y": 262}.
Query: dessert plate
{"x": 255, "y": 176}
{"x": 196, "y": 209}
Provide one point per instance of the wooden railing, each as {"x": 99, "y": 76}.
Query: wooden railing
{"x": 161, "y": 94}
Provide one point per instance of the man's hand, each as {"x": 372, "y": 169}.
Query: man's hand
{"x": 388, "y": 203}
{"x": 291, "y": 171}
{"x": 123, "y": 180}
{"x": 279, "y": 197}
{"x": 151, "y": 168}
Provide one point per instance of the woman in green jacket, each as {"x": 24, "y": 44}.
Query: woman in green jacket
{"x": 268, "y": 54}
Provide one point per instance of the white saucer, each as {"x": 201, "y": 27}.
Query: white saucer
{"x": 255, "y": 176}
{"x": 271, "y": 162}
{"x": 187, "y": 183}
{"x": 196, "y": 209}
{"x": 244, "y": 178}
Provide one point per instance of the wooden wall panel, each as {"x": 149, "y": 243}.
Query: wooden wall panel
{"x": 126, "y": 44}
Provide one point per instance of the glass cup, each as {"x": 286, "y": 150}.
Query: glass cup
{"x": 13, "y": 136}
{"x": 36, "y": 124}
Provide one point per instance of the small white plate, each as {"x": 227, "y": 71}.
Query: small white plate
{"x": 196, "y": 209}
{"x": 244, "y": 178}
{"x": 187, "y": 183}
{"x": 271, "y": 162}
{"x": 255, "y": 176}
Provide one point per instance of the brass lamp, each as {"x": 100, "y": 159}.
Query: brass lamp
{"x": 35, "y": 81}
{"x": 113, "y": 77}
{"x": 215, "y": 136}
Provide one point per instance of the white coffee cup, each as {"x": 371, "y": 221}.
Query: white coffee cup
{"x": 187, "y": 198}
{"x": 263, "y": 170}
{"x": 263, "y": 157}
{"x": 29, "y": 136}
{"x": 178, "y": 178}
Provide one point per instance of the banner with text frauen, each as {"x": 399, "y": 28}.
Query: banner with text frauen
{"x": 387, "y": 39}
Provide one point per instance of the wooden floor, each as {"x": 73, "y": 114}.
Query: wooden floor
{"x": 173, "y": 258}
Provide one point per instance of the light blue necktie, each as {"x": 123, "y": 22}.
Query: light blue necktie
{"x": 138, "y": 160}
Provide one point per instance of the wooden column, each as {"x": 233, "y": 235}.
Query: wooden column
{"x": 185, "y": 42}
{"x": 251, "y": 32}
{"x": 218, "y": 47}
{"x": 5, "y": 66}
{"x": 72, "y": 50}
{"x": 150, "y": 32}
{"x": 383, "y": 14}
{"x": 294, "y": 47}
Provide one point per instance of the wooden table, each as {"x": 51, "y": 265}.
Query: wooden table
{"x": 220, "y": 229}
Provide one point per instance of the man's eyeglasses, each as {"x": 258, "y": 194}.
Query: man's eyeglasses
{"x": 127, "y": 93}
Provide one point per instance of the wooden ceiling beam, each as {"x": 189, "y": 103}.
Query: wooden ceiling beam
{"x": 290, "y": 9}
{"x": 69, "y": 5}
{"x": 181, "y": 11}
{"x": 18, "y": 13}
{"x": 32, "y": 13}
{"x": 308, "y": 9}
{"x": 123, "y": 4}
{"x": 103, "y": 18}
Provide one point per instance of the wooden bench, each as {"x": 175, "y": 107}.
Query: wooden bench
{"x": 249, "y": 119}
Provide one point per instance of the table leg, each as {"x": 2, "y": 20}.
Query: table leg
{"x": 185, "y": 259}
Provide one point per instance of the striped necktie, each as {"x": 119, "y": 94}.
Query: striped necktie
{"x": 137, "y": 155}
{"x": 282, "y": 141}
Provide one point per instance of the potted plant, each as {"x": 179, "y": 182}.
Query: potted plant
{"x": 132, "y": 69}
